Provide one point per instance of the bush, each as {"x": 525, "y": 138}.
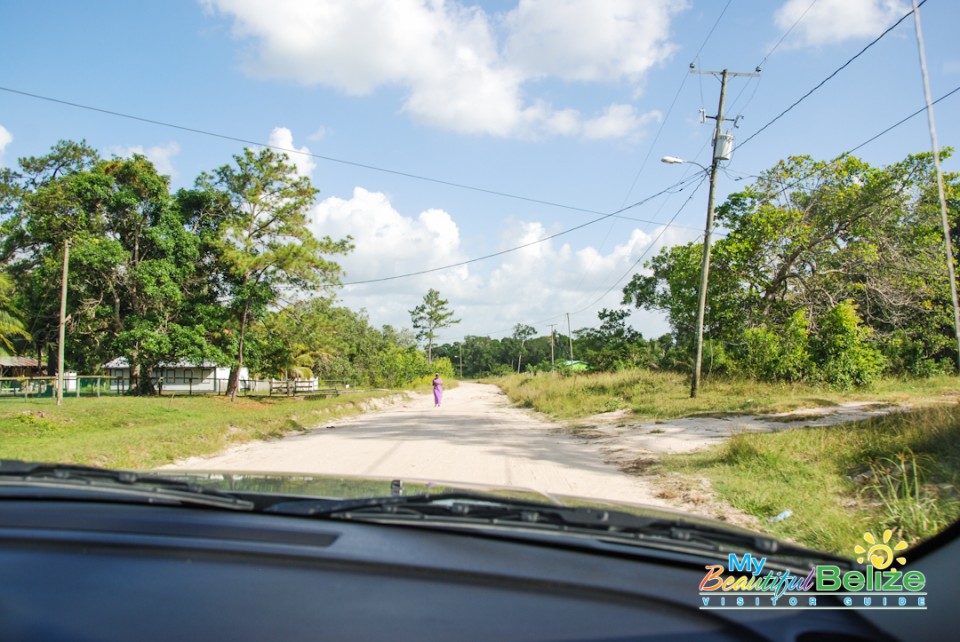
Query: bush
{"x": 841, "y": 349}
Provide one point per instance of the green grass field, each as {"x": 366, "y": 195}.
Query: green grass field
{"x": 139, "y": 432}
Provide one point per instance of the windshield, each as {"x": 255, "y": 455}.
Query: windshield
{"x": 693, "y": 256}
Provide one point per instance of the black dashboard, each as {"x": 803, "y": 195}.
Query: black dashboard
{"x": 113, "y": 571}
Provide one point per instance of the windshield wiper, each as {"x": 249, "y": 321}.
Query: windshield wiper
{"x": 474, "y": 508}
{"x": 124, "y": 484}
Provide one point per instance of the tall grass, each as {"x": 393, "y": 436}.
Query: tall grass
{"x": 649, "y": 394}
{"x": 899, "y": 472}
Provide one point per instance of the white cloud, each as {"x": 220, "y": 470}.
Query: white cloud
{"x": 526, "y": 286}
{"x": 619, "y": 121}
{"x": 5, "y": 139}
{"x": 448, "y": 59}
{"x": 319, "y": 134}
{"x": 160, "y": 155}
{"x": 282, "y": 139}
{"x": 832, "y": 21}
{"x": 603, "y": 40}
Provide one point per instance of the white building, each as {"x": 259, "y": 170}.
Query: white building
{"x": 179, "y": 377}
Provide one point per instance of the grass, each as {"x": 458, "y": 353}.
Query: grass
{"x": 141, "y": 433}
{"x": 665, "y": 395}
{"x": 897, "y": 472}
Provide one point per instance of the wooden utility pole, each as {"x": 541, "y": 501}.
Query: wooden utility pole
{"x": 570, "y": 336}
{"x": 63, "y": 321}
{"x": 553, "y": 336}
{"x": 945, "y": 219}
{"x": 708, "y": 230}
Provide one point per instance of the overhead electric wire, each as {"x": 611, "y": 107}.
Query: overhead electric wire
{"x": 245, "y": 141}
{"x": 798, "y": 181}
{"x": 663, "y": 123}
{"x": 680, "y": 184}
{"x": 648, "y": 248}
{"x": 863, "y": 144}
{"x": 712, "y": 29}
{"x": 787, "y": 33}
{"x": 831, "y": 76}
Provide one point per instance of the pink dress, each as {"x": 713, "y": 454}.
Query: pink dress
{"x": 437, "y": 391}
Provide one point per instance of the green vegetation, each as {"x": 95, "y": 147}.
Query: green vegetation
{"x": 666, "y": 395}
{"x": 898, "y": 472}
{"x": 829, "y": 272}
{"x": 137, "y": 433}
{"x": 228, "y": 272}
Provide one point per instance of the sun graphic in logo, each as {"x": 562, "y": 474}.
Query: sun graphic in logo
{"x": 881, "y": 555}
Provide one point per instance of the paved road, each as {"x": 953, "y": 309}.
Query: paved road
{"x": 475, "y": 437}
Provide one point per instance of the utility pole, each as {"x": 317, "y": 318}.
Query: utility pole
{"x": 719, "y": 152}
{"x": 570, "y": 336}
{"x": 553, "y": 336}
{"x": 461, "y": 360}
{"x": 947, "y": 243}
{"x": 63, "y": 321}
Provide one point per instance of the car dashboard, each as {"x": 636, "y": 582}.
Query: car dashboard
{"x": 121, "y": 571}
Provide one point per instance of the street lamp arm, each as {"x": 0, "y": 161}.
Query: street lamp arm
{"x": 673, "y": 160}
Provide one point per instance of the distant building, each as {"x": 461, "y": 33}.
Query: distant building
{"x": 179, "y": 377}
{"x": 20, "y": 367}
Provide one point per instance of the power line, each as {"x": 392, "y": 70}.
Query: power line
{"x": 680, "y": 184}
{"x": 712, "y": 29}
{"x": 863, "y": 144}
{"x": 245, "y": 141}
{"x": 663, "y": 123}
{"x": 648, "y": 248}
{"x": 786, "y": 33}
{"x": 828, "y": 78}
{"x": 782, "y": 191}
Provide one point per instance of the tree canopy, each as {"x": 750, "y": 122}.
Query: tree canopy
{"x": 815, "y": 250}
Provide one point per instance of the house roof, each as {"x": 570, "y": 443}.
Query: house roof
{"x": 18, "y": 362}
{"x": 121, "y": 362}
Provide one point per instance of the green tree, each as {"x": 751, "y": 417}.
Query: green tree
{"x": 264, "y": 245}
{"x": 430, "y": 316}
{"x": 804, "y": 236}
{"x": 11, "y": 324}
{"x": 521, "y": 333}
{"x": 614, "y": 345}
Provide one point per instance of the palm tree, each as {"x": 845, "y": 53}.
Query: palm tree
{"x": 10, "y": 324}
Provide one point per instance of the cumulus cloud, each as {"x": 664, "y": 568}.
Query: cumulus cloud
{"x": 491, "y": 296}
{"x": 448, "y": 57}
{"x": 5, "y": 139}
{"x": 160, "y": 155}
{"x": 590, "y": 41}
{"x": 833, "y": 21}
{"x": 282, "y": 139}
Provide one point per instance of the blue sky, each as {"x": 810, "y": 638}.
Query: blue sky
{"x": 568, "y": 104}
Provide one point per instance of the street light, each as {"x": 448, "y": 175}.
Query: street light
{"x": 673, "y": 160}
{"x": 705, "y": 264}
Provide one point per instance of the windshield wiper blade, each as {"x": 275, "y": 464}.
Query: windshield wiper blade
{"x": 128, "y": 483}
{"x": 462, "y": 507}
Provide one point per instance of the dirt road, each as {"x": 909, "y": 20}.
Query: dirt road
{"x": 475, "y": 437}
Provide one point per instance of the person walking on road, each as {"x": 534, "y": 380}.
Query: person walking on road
{"x": 437, "y": 390}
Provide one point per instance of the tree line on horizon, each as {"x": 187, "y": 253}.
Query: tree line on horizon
{"x": 828, "y": 272}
